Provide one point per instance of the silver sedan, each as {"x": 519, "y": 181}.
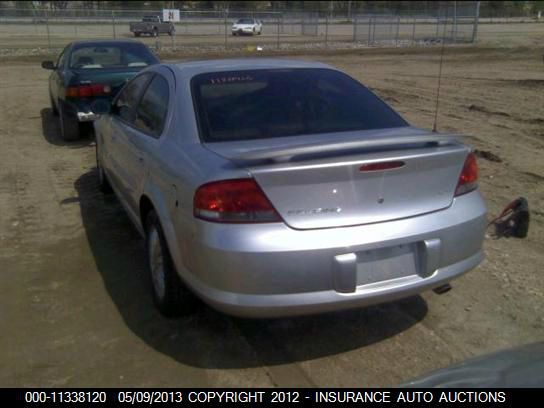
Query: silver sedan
{"x": 270, "y": 187}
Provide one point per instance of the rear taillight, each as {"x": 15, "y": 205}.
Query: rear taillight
{"x": 233, "y": 201}
{"x": 87, "y": 91}
{"x": 468, "y": 180}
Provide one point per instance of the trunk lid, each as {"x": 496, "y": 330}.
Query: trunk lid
{"x": 315, "y": 183}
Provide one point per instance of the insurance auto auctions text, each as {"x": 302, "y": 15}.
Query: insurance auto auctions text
{"x": 349, "y": 396}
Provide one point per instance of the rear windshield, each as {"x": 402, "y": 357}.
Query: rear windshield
{"x": 256, "y": 104}
{"x": 111, "y": 56}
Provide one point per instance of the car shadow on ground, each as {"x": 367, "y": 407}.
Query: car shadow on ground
{"x": 51, "y": 131}
{"x": 209, "y": 339}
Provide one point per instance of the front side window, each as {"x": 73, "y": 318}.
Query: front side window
{"x": 125, "y": 105}
{"x": 268, "y": 103}
{"x": 151, "y": 113}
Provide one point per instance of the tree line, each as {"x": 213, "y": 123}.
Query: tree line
{"x": 487, "y": 8}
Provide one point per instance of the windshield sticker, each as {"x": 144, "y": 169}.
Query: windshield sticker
{"x": 231, "y": 79}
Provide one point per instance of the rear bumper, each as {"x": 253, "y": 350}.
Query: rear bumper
{"x": 269, "y": 306}
{"x": 271, "y": 270}
{"x": 82, "y": 109}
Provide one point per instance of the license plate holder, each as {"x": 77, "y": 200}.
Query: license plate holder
{"x": 384, "y": 264}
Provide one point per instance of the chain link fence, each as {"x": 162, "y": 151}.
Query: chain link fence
{"x": 32, "y": 28}
{"x": 24, "y": 28}
{"x": 453, "y": 24}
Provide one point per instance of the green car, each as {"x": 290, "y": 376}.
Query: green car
{"x": 90, "y": 73}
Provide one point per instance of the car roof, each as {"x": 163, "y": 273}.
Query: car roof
{"x": 92, "y": 43}
{"x": 193, "y": 68}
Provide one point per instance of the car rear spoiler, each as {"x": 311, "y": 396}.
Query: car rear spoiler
{"x": 285, "y": 154}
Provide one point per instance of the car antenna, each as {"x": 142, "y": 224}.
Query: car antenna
{"x": 440, "y": 72}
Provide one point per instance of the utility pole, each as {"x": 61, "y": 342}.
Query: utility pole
{"x": 454, "y": 22}
{"x": 476, "y": 21}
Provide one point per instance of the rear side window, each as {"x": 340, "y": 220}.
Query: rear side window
{"x": 153, "y": 107}
{"x": 125, "y": 105}
{"x": 268, "y": 103}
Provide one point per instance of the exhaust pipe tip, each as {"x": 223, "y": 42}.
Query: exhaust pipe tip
{"x": 442, "y": 289}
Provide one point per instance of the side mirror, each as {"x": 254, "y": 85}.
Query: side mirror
{"x": 48, "y": 65}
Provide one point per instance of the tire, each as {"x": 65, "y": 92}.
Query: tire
{"x": 136, "y": 34}
{"x": 171, "y": 297}
{"x": 103, "y": 182}
{"x": 54, "y": 109}
{"x": 234, "y": 34}
{"x": 69, "y": 126}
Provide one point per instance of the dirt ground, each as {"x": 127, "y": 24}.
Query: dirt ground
{"x": 76, "y": 311}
